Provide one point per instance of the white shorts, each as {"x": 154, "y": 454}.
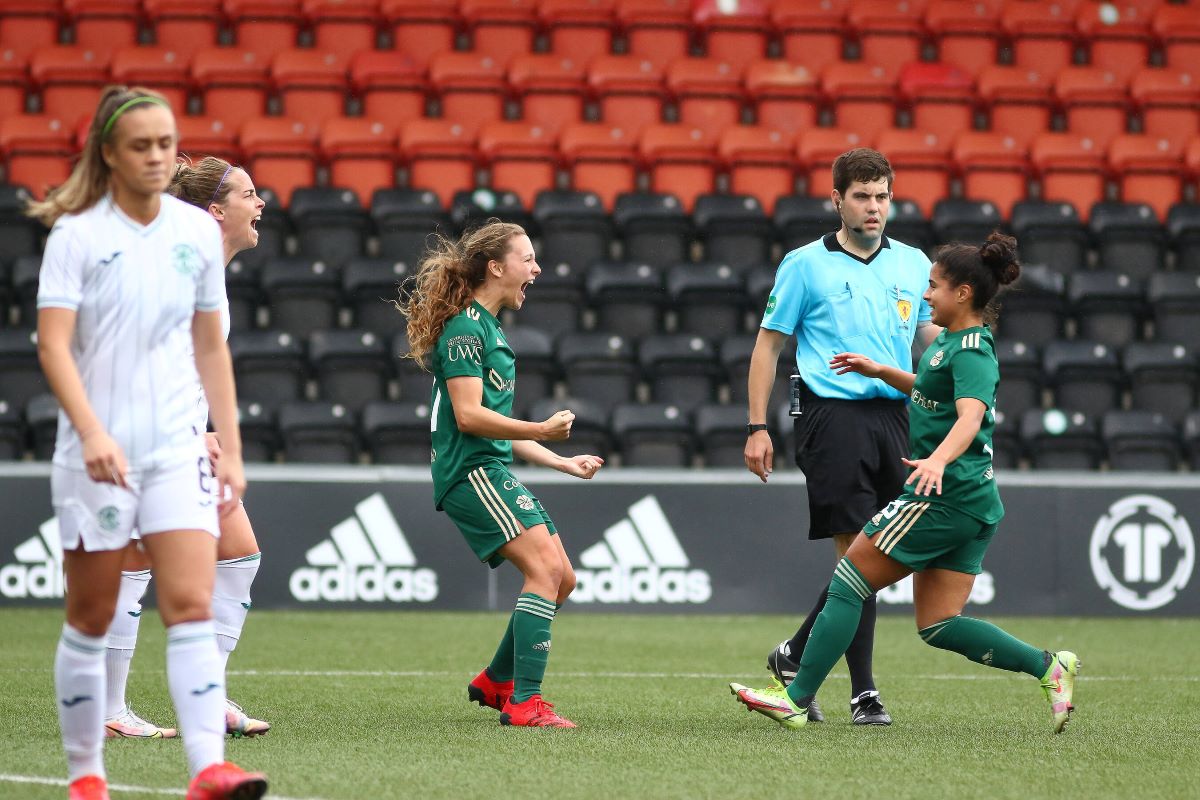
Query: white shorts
{"x": 176, "y": 497}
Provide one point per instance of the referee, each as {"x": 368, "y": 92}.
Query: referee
{"x": 854, "y": 290}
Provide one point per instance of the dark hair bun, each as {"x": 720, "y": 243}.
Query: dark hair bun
{"x": 999, "y": 254}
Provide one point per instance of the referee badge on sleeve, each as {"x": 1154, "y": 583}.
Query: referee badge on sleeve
{"x": 905, "y": 309}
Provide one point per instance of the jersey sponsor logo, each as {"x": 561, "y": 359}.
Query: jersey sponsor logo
{"x": 366, "y": 558}
{"x": 983, "y": 591}
{"x": 640, "y": 561}
{"x": 905, "y": 309}
{"x": 468, "y": 348}
{"x": 923, "y": 401}
{"x": 104, "y": 262}
{"x": 185, "y": 259}
{"x": 937, "y": 358}
{"x": 500, "y": 384}
{"x": 38, "y": 569}
{"x": 771, "y": 303}
{"x": 1142, "y": 552}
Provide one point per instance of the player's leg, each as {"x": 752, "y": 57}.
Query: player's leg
{"x": 238, "y": 560}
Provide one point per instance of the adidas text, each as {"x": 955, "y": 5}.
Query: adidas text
{"x": 38, "y": 571}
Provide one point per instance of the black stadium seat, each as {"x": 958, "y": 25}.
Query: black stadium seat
{"x": 1163, "y": 378}
{"x": 1033, "y": 310}
{"x": 555, "y": 301}
{"x": 19, "y": 235}
{"x": 260, "y": 433}
{"x": 302, "y": 296}
{"x": 25, "y": 272}
{"x": 41, "y": 419}
{"x": 1141, "y": 441}
{"x": 537, "y": 370}
{"x": 575, "y": 230}
{"x": 1183, "y": 227}
{"x": 1128, "y": 238}
{"x": 319, "y": 433}
{"x": 709, "y": 299}
{"x": 1108, "y": 307}
{"x": 627, "y": 297}
{"x": 269, "y": 366}
{"x": 243, "y": 287}
{"x": 733, "y": 229}
{"x": 331, "y": 224}
{"x": 1061, "y": 439}
{"x": 351, "y": 367}
{"x": 721, "y": 434}
{"x": 21, "y": 375}
{"x": 471, "y": 208}
{"x": 1174, "y": 300}
{"x": 1021, "y": 381}
{"x": 397, "y": 433}
{"x": 1050, "y": 233}
{"x": 654, "y": 228}
{"x": 907, "y": 224}
{"x": 681, "y": 369}
{"x": 406, "y": 220}
{"x": 1085, "y": 376}
{"x": 800, "y": 219}
{"x": 969, "y": 221}
{"x": 598, "y": 367}
{"x": 371, "y": 287}
{"x": 653, "y": 435}
{"x": 12, "y": 432}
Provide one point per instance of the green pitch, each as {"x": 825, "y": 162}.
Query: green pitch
{"x": 373, "y": 705}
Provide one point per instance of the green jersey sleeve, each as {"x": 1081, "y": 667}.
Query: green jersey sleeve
{"x": 460, "y": 348}
{"x": 976, "y": 375}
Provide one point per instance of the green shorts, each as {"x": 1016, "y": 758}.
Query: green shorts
{"x": 929, "y": 535}
{"x": 491, "y": 508}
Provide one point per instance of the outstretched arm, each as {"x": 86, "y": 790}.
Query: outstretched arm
{"x": 895, "y": 377}
{"x": 927, "y": 472}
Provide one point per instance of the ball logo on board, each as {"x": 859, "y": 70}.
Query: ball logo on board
{"x": 1142, "y": 552}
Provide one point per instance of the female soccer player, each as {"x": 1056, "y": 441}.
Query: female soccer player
{"x": 129, "y": 297}
{"x": 460, "y": 290}
{"x": 228, "y": 195}
{"x": 941, "y": 525}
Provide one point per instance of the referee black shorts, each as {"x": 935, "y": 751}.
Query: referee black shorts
{"x": 850, "y": 453}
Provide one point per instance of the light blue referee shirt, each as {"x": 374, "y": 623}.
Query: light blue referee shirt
{"x": 836, "y": 302}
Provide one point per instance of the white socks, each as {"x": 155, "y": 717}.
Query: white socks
{"x": 197, "y": 685}
{"x": 231, "y": 600}
{"x": 122, "y": 638}
{"x": 79, "y": 686}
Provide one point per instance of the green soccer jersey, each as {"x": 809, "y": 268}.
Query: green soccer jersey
{"x": 473, "y": 345}
{"x": 957, "y": 365}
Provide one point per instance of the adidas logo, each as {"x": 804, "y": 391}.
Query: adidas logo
{"x": 365, "y": 558}
{"x": 39, "y": 568}
{"x": 544, "y": 646}
{"x": 640, "y": 561}
{"x": 901, "y": 592}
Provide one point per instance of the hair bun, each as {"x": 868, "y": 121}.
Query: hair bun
{"x": 999, "y": 254}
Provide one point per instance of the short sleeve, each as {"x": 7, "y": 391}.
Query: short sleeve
{"x": 210, "y": 282}
{"x": 924, "y": 315}
{"x": 789, "y": 297}
{"x": 976, "y": 375}
{"x": 460, "y": 348}
{"x": 60, "y": 282}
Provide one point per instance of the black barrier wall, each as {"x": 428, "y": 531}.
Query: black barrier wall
{"x": 667, "y": 541}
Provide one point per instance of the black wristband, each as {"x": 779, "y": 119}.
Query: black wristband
{"x": 752, "y": 428}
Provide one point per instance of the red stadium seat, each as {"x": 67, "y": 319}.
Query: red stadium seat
{"x": 14, "y": 66}
{"x": 470, "y": 86}
{"x": 264, "y": 27}
{"x": 312, "y": 84}
{"x": 422, "y": 28}
{"x": 942, "y": 97}
{"x": 1148, "y": 169}
{"x": 184, "y": 26}
{"x": 1071, "y": 167}
{"x": 1168, "y": 100}
{"x": 736, "y": 33}
{"x": 889, "y": 33}
{"x": 1043, "y": 34}
{"x": 1178, "y": 28}
{"x": 966, "y": 32}
{"x": 680, "y": 160}
{"x": 657, "y": 30}
{"x": 361, "y": 154}
{"x": 993, "y": 166}
{"x": 581, "y": 29}
{"x": 440, "y": 155}
{"x": 37, "y": 149}
{"x": 600, "y": 158}
{"x": 1019, "y": 101}
{"x": 811, "y": 32}
{"x": 551, "y": 88}
{"x": 760, "y": 161}
{"x": 104, "y": 25}
{"x": 280, "y": 153}
{"x": 816, "y": 150}
{"x": 784, "y": 95}
{"x": 523, "y": 157}
{"x": 26, "y": 25}
{"x": 863, "y": 96}
{"x": 1121, "y": 45}
{"x": 233, "y": 83}
{"x": 204, "y": 136}
{"x": 921, "y": 160}
{"x": 629, "y": 90}
{"x": 500, "y": 28}
{"x": 1095, "y": 101}
{"x": 391, "y": 86}
{"x": 345, "y": 27}
{"x": 158, "y": 68}
{"x": 707, "y": 91}
{"x": 69, "y": 79}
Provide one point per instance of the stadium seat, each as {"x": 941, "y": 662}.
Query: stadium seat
{"x": 556, "y": 300}
{"x": 581, "y": 30}
{"x": 260, "y": 432}
{"x": 1121, "y": 44}
{"x": 680, "y": 159}
{"x": 760, "y": 281}
{"x": 1071, "y": 169}
{"x": 966, "y": 32}
{"x": 103, "y": 25}
{"x": 1141, "y": 441}
{"x": 41, "y": 420}
{"x": 1085, "y": 376}
{"x": 343, "y": 27}
{"x": 6, "y": 293}
{"x": 907, "y": 223}
{"x": 36, "y": 150}
{"x": 1163, "y": 378}
{"x": 470, "y": 87}
{"x": 472, "y": 208}
{"x": 440, "y": 156}
{"x": 280, "y": 153}
{"x": 589, "y": 431}
{"x": 361, "y": 154}
{"x": 521, "y": 156}
{"x": 1061, "y": 439}
{"x": 681, "y": 369}
{"x": 1167, "y": 101}
{"x": 68, "y": 79}
{"x": 658, "y": 30}
{"x": 759, "y": 161}
{"x": 331, "y": 224}
{"x": 709, "y": 299}
{"x": 654, "y": 228}
{"x": 956, "y": 220}
{"x": 184, "y": 26}
{"x": 629, "y": 91}
{"x": 862, "y": 95}
{"x": 941, "y": 96}
{"x": 735, "y": 353}
{"x": 397, "y": 433}
{"x": 302, "y": 296}
{"x": 1007, "y": 451}
{"x": 206, "y": 136}
{"x": 599, "y": 367}
{"x": 921, "y": 161}
{"x": 421, "y": 29}
{"x": 1108, "y": 307}
{"x": 405, "y": 218}
{"x": 501, "y": 28}
{"x": 243, "y": 288}
{"x": 12, "y": 432}
{"x": 736, "y": 33}
{"x": 800, "y": 220}
{"x": 784, "y": 95}
{"x": 158, "y": 68}
{"x": 19, "y": 235}
{"x": 1033, "y": 310}
{"x": 319, "y": 433}
{"x": 371, "y": 286}
{"x": 232, "y": 83}
{"x": 1174, "y": 300}
{"x": 551, "y": 88}
{"x": 536, "y": 368}
{"x": 21, "y": 375}
{"x": 1149, "y": 170}
{"x": 1191, "y": 439}
{"x": 816, "y": 150}
{"x": 600, "y": 159}
{"x": 889, "y": 34}
{"x": 25, "y": 271}
{"x": 27, "y": 25}
{"x": 352, "y": 367}
{"x": 707, "y": 91}
{"x": 1021, "y": 366}
{"x": 1019, "y": 101}
{"x": 1183, "y": 227}
{"x": 1128, "y": 238}
{"x": 1095, "y": 101}
{"x": 574, "y": 229}
{"x": 1050, "y": 233}
{"x": 653, "y": 435}
{"x": 390, "y": 85}
{"x": 1191, "y": 158}
{"x": 1177, "y": 27}
{"x": 993, "y": 166}
{"x": 415, "y": 384}
{"x": 1043, "y": 34}
{"x": 264, "y": 27}
{"x": 733, "y": 229}
{"x": 14, "y": 68}
{"x": 627, "y": 297}
{"x": 269, "y": 367}
{"x": 810, "y": 33}
{"x": 721, "y": 434}
{"x": 311, "y": 84}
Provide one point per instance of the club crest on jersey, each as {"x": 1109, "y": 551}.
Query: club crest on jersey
{"x": 525, "y": 502}
{"x": 185, "y": 259}
{"x": 937, "y": 358}
{"x": 107, "y": 518}
{"x": 905, "y": 309}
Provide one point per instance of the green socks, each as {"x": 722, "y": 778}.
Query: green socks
{"x": 501, "y": 668}
{"x": 531, "y": 644}
{"x": 831, "y": 633}
{"x": 984, "y": 643}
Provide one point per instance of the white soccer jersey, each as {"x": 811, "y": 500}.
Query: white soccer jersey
{"x": 135, "y": 288}
{"x": 201, "y": 423}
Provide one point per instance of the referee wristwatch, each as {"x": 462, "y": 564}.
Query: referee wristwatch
{"x": 752, "y": 428}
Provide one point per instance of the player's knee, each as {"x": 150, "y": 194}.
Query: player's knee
{"x": 185, "y": 605}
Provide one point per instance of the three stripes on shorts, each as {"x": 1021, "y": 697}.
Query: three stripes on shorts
{"x": 491, "y": 500}
{"x": 889, "y": 535}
